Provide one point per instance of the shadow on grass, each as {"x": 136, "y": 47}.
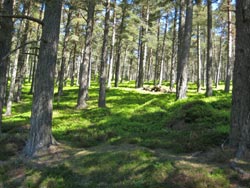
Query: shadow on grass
{"x": 146, "y": 123}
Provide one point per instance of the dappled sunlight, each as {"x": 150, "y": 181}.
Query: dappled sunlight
{"x": 139, "y": 140}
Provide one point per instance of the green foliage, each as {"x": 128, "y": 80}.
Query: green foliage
{"x": 131, "y": 143}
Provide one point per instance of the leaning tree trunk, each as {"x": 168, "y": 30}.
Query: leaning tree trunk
{"x": 102, "y": 81}
{"x": 240, "y": 122}
{"x": 84, "y": 66}
{"x": 5, "y": 46}
{"x": 182, "y": 71}
{"x": 229, "y": 48}
{"x": 41, "y": 117}
{"x": 209, "y": 83}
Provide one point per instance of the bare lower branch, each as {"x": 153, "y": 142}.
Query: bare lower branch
{"x": 8, "y": 54}
{"x": 24, "y": 17}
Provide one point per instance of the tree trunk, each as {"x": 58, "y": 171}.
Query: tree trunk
{"x": 240, "y": 122}
{"x": 198, "y": 59}
{"x": 36, "y": 49}
{"x": 63, "y": 60}
{"x": 83, "y": 75}
{"x": 219, "y": 65}
{"x": 21, "y": 68}
{"x": 41, "y": 117}
{"x": 163, "y": 52}
{"x": 182, "y": 72}
{"x": 119, "y": 43}
{"x": 12, "y": 85}
{"x": 14, "y": 72}
{"x": 150, "y": 62}
{"x": 229, "y": 49}
{"x": 209, "y": 83}
{"x": 5, "y": 46}
{"x": 173, "y": 56}
{"x": 102, "y": 90}
{"x": 72, "y": 82}
{"x": 112, "y": 47}
{"x": 144, "y": 47}
{"x": 124, "y": 63}
{"x": 157, "y": 52}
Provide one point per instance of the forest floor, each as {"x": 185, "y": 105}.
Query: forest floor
{"x": 142, "y": 139}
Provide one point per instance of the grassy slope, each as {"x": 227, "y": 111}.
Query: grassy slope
{"x": 140, "y": 140}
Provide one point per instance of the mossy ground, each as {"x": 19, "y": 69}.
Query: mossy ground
{"x": 141, "y": 139}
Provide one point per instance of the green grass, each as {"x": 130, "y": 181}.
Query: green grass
{"x": 140, "y": 140}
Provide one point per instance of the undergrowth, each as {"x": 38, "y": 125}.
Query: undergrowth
{"x": 123, "y": 140}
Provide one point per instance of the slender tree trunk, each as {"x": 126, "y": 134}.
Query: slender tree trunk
{"x": 182, "y": 72}
{"x": 12, "y": 85}
{"x": 33, "y": 73}
{"x": 119, "y": 44}
{"x": 72, "y": 82}
{"x": 124, "y": 63}
{"x": 240, "y": 123}
{"x": 229, "y": 49}
{"x": 198, "y": 59}
{"x": 64, "y": 53}
{"x": 83, "y": 75}
{"x": 163, "y": 52}
{"x": 219, "y": 64}
{"x": 173, "y": 56}
{"x": 36, "y": 49}
{"x": 18, "y": 58}
{"x": 102, "y": 90}
{"x": 41, "y": 117}
{"x": 112, "y": 46}
{"x": 5, "y": 46}
{"x": 21, "y": 69}
{"x": 157, "y": 52}
{"x": 150, "y": 63}
{"x": 209, "y": 83}
{"x": 144, "y": 48}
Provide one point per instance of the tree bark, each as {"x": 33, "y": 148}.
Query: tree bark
{"x": 144, "y": 47}
{"x": 182, "y": 72}
{"x": 83, "y": 75}
{"x": 163, "y": 52}
{"x": 12, "y": 85}
{"x": 119, "y": 43}
{"x": 6, "y": 27}
{"x": 173, "y": 55}
{"x": 64, "y": 53}
{"x": 209, "y": 83}
{"x": 198, "y": 59}
{"x": 156, "y": 72}
{"x": 229, "y": 49}
{"x": 218, "y": 73}
{"x": 36, "y": 49}
{"x": 240, "y": 115}
{"x": 112, "y": 47}
{"x": 102, "y": 81}
{"x": 40, "y": 136}
{"x": 21, "y": 68}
